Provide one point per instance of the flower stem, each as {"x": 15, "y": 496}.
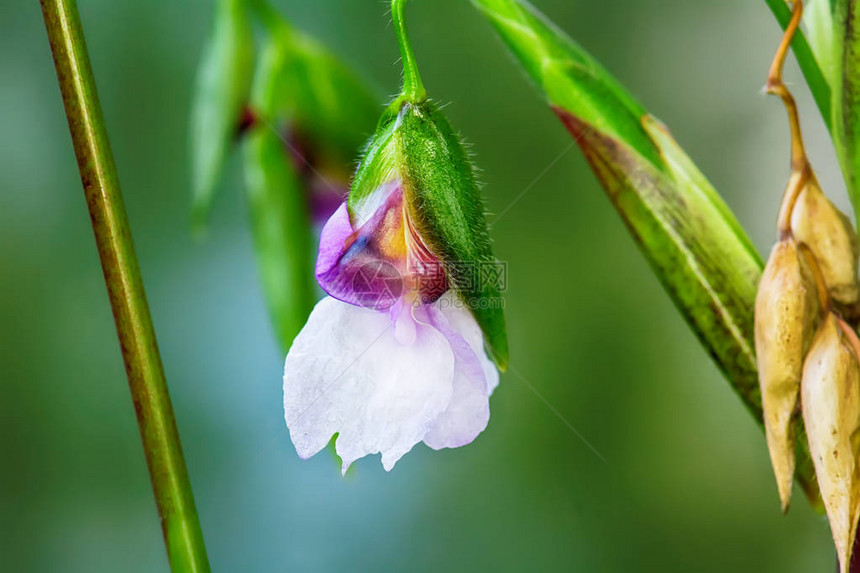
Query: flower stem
{"x": 775, "y": 86}
{"x": 806, "y": 60}
{"x": 167, "y": 471}
{"x": 413, "y": 88}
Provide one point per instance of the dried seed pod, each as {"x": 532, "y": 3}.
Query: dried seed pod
{"x": 830, "y": 396}
{"x": 816, "y": 222}
{"x": 785, "y": 313}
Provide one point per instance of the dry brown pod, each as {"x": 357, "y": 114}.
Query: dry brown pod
{"x": 785, "y": 314}
{"x": 830, "y": 397}
{"x": 817, "y": 223}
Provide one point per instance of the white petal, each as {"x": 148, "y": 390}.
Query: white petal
{"x": 462, "y": 321}
{"x": 475, "y": 377}
{"x": 346, "y": 373}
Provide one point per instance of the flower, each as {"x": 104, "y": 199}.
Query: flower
{"x": 407, "y": 346}
{"x": 384, "y": 381}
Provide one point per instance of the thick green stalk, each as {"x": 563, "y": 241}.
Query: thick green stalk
{"x": 179, "y": 522}
{"x": 808, "y": 64}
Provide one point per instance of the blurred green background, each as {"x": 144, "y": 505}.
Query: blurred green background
{"x": 687, "y": 484}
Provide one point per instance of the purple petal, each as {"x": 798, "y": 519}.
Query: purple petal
{"x": 334, "y": 234}
{"x": 364, "y": 264}
{"x": 374, "y": 257}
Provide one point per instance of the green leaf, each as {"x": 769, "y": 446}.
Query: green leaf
{"x": 300, "y": 87}
{"x": 818, "y": 20}
{"x": 695, "y": 245}
{"x": 846, "y": 90}
{"x": 279, "y": 208}
{"x": 282, "y": 235}
{"x": 317, "y": 94}
{"x": 223, "y": 83}
{"x": 701, "y": 256}
{"x": 445, "y": 204}
{"x": 567, "y": 75}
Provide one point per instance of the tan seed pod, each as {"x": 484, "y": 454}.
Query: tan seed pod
{"x": 830, "y": 397}
{"x": 785, "y": 313}
{"x": 816, "y": 222}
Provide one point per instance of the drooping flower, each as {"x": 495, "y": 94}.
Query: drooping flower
{"x": 396, "y": 355}
{"x": 408, "y": 345}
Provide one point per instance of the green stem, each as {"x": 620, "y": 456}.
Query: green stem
{"x": 179, "y": 522}
{"x": 413, "y": 88}
{"x": 808, "y": 64}
{"x": 272, "y": 21}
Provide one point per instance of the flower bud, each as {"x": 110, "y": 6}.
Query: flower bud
{"x": 831, "y": 411}
{"x": 785, "y": 313}
{"x": 816, "y": 222}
